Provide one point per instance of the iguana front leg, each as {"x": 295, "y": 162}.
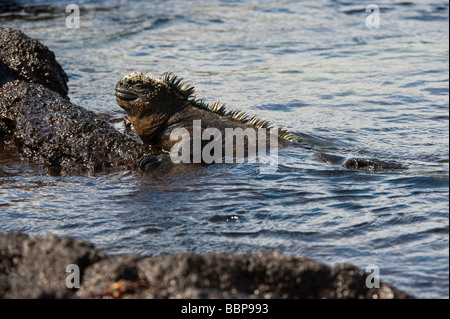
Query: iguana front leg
{"x": 174, "y": 144}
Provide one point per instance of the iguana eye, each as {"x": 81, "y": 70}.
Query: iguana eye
{"x": 139, "y": 86}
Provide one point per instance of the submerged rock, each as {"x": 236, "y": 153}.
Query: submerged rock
{"x": 35, "y": 267}
{"x": 18, "y": 10}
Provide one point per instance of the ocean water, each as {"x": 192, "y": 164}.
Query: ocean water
{"x": 313, "y": 67}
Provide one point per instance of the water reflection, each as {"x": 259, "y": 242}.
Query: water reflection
{"x": 313, "y": 68}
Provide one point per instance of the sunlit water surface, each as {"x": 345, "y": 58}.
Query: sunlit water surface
{"x": 312, "y": 67}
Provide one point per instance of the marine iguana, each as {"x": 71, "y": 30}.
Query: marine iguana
{"x": 158, "y": 107}
{"x": 38, "y": 122}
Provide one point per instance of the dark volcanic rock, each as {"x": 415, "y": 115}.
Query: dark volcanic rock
{"x": 32, "y": 60}
{"x": 38, "y": 121}
{"x": 48, "y": 130}
{"x": 34, "y": 267}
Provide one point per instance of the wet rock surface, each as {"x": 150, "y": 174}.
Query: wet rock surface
{"x": 32, "y": 61}
{"x": 38, "y": 121}
{"x": 48, "y": 130}
{"x": 35, "y": 267}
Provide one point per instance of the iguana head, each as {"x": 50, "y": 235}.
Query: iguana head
{"x": 149, "y": 103}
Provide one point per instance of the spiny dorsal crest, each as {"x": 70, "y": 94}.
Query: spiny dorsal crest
{"x": 183, "y": 87}
{"x": 188, "y": 92}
